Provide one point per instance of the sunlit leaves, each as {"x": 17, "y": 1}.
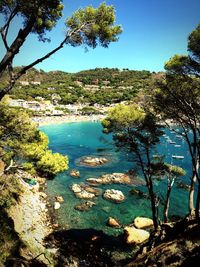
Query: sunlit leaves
{"x": 93, "y": 26}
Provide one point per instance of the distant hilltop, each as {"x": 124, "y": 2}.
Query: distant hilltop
{"x": 100, "y": 85}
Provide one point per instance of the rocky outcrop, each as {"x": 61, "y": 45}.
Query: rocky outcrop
{"x": 114, "y": 195}
{"x": 75, "y": 173}
{"x": 59, "y": 199}
{"x": 113, "y": 178}
{"x": 179, "y": 247}
{"x": 93, "y": 161}
{"x": 84, "y": 206}
{"x": 113, "y": 222}
{"x": 31, "y": 220}
{"x": 142, "y": 222}
{"x": 84, "y": 191}
{"x": 134, "y": 235}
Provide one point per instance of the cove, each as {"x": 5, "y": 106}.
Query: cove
{"x": 86, "y": 138}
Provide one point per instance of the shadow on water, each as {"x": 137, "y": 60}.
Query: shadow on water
{"x": 88, "y": 247}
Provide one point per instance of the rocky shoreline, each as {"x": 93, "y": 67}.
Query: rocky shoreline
{"x": 32, "y": 220}
{"x": 35, "y": 222}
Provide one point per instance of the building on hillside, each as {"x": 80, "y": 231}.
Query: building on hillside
{"x": 91, "y": 87}
{"x": 79, "y": 83}
{"x": 55, "y": 98}
{"x": 34, "y": 105}
{"x": 105, "y": 82}
{"x": 24, "y": 83}
{"x": 17, "y": 103}
{"x": 35, "y": 82}
{"x": 95, "y": 81}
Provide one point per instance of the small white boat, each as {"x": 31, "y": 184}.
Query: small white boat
{"x": 177, "y": 157}
{"x": 177, "y": 145}
{"x": 172, "y": 142}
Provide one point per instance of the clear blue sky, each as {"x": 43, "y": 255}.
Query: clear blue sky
{"x": 153, "y": 31}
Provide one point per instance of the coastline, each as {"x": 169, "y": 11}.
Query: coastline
{"x": 48, "y": 120}
{"x": 32, "y": 220}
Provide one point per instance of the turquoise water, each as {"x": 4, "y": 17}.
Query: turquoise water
{"x": 86, "y": 138}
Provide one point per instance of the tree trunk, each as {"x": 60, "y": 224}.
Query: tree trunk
{"x": 191, "y": 192}
{"x": 16, "y": 45}
{"x": 166, "y": 207}
{"x": 153, "y": 205}
{"x": 197, "y": 205}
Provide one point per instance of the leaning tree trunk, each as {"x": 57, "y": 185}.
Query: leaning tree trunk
{"x": 191, "y": 192}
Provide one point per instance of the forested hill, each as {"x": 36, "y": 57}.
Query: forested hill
{"x": 100, "y": 85}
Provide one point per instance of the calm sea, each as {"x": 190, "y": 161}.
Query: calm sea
{"x": 86, "y": 138}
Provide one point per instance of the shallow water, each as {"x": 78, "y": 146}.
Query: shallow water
{"x": 86, "y": 138}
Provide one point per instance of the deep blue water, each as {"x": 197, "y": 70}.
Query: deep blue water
{"x": 85, "y": 138}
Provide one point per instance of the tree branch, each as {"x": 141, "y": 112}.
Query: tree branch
{"x": 23, "y": 70}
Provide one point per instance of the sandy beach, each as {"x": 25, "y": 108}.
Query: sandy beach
{"x": 41, "y": 121}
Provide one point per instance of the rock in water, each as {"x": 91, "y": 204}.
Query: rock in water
{"x": 135, "y": 236}
{"x": 81, "y": 191}
{"x": 113, "y": 222}
{"x": 84, "y": 206}
{"x": 59, "y": 199}
{"x": 75, "y": 173}
{"x": 114, "y": 195}
{"x": 113, "y": 178}
{"x": 93, "y": 161}
{"x": 56, "y": 205}
{"x": 142, "y": 222}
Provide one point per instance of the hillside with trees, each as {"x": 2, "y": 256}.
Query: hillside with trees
{"x": 102, "y": 85}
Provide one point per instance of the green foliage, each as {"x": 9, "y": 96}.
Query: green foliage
{"x": 177, "y": 64}
{"x": 20, "y": 139}
{"x": 43, "y": 13}
{"x": 96, "y": 26}
{"x": 174, "y": 170}
{"x": 10, "y": 190}
{"x": 89, "y": 111}
{"x": 120, "y": 85}
{"x": 51, "y": 164}
{"x": 189, "y": 64}
{"x": 132, "y": 127}
{"x": 9, "y": 240}
{"x": 122, "y": 117}
{"x": 29, "y": 167}
{"x": 194, "y": 43}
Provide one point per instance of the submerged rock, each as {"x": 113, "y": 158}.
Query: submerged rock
{"x": 84, "y": 206}
{"x": 113, "y": 178}
{"x": 83, "y": 191}
{"x": 114, "y": 195}
{"x": 93, "y": 161}
{"x": 56, "y": 205}
{"x": 142, "y": 222}
{"x": 138, "y": 192}
{"x": 75, "y": 173}
{"x": 113, "y": 222}
{"x": 134, "y": 235}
